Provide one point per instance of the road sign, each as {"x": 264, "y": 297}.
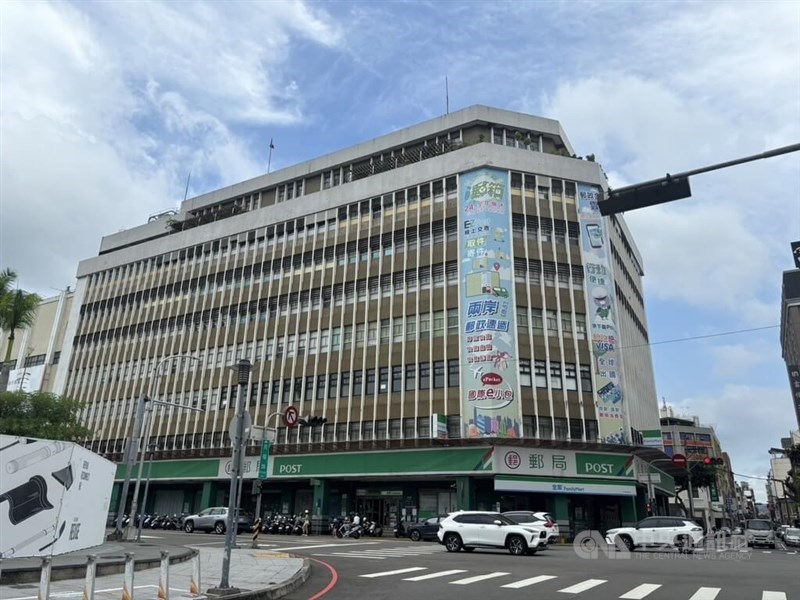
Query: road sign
{"x": 650, "y": 478}
{"x": 291, "y": 417}
{"x": 263, "y": 462}
{"x": 248, "y": 427}
{"x": 679, "y": 460}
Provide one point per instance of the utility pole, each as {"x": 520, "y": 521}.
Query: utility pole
{"x": 131, "y": 452}
{"x": 244, "y": 367}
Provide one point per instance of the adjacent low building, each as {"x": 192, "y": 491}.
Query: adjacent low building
{"x": 447, "y": 296}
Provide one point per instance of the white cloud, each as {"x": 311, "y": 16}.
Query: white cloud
{"x": 738, "y": 361}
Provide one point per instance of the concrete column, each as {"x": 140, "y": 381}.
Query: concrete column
{"x": 561, "y": 509}
{"x": 116, "y": 491}
{"x": 465, "y": 493}
{"x": 207, "y": 496}
{"x": 321, "y": 504}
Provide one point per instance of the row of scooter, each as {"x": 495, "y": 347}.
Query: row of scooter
{"x": 283, "y": 524}
{"x": 344, "y": 529}
{"x": 154, "y": 521}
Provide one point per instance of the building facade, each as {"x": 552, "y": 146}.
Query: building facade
{"x": 790, "y": 330}
{"x": 36, "y": 354}
{"x": 447, "y": 296}
{"x": 716, "y": 505}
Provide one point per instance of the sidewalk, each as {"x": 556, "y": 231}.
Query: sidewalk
{"x": 257, "y": 573}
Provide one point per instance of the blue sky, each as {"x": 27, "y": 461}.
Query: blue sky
{"x": 106, "y": 107}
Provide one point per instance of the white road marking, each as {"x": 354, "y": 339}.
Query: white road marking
{"x": 582, "y": 586}
{"x": 153, "y": 537}
{"x": 526, "y": 582}
{"x": 641, "y": 591}
{"x": 370, "y": 556}
{"x": 705, "y": 593}
{"x": 397, "y": 572}
{"x": 321, "y": 546}
{"x": 435, "y": 575}
{"x": 76, "y": 594}
{"x": 469, "y": 580}
{"x": 773, "y": 595}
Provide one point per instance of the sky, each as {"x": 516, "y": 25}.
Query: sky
{"x": 106, "y": 107}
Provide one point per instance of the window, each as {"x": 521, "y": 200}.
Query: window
{"x": 540, "y": 372}
{"x": 452, "y": 321}
{"x": 453, "y": 373}
{"x": 397, "y": 379}
{"x": 411, "y": 377}
{"x": 525, "y": 379}
{"x": 438, "y": 374}
{"x": 586, "y": 378}
{"x": 357, "y": 380}
{"x": 580, "y": 326}
{"x": 333, "y": 381}
{"x": 522, "y": 318}
{"x": 345, "y": 389}
{"x": 321, "y": 387}
{"x": 552, "y": 322}
{"x": 570, "y": 377}
{"x": 537, "y": 324}
{"x": 560, "y": 428}
{"x": 370, "y": 387}
{"x": 424, "y": 376}
{"x": 383, "y": 380}
{"x": 545, "y": 428}
{"x": 555, "y": 375}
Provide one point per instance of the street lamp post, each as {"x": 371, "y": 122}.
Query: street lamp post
{"x": 149, "y": 416}
{"x": 244, "y": 367}
{"x": 131, "y": 450}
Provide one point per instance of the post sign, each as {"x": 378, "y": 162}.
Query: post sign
{"x": 679, "y": 460}
{"x": 263, "y": 462}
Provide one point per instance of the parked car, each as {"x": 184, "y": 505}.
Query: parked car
{"x": 791, "y": 536}
{"x": 738, "y": 531}
{"x": 424, "y": 530}
{"x": 759, "y": 532}
{"x": 781, "y": 531}
{"x": 215, "y": 519}
{"x": 468, "y": 530}
{"x": 527, "y": 517}
{"x": 672, "y": 532}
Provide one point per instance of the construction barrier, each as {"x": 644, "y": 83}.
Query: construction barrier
{"x": 163, "y": 579}
{"x": 194, "y": 584}
{"x": 127, "y": 587}
{"x": 256, "y": 530}
{"x": 44, "y": 580}
{"x": 91, "y": 572}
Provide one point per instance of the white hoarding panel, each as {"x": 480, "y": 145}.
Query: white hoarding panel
{"x": 54, "y": 497}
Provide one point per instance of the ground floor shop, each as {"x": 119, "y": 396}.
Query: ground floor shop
{"x": 580, "y": 489}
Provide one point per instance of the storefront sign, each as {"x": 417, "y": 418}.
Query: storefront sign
{"x": 562, "y": 486}
{"x": 249, "y": 468}
{"x": 652, "y": 438}
{"x": 601, "y": 307}
{"x": 794, "y": 382}
{"x": 561, "y": 463}
{"x": 347, "y": 464}
{"x": 439, "y": 426}
{"x": 27, "y": 379}
{"x": 489, "y": 382}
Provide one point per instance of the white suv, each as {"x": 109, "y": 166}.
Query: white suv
{"x": 480, "y": 529}
{"x": 672, "y": 532}
{"x": 543, "y": 519}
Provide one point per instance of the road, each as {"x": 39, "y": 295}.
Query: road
{"x": 390, "y": 569}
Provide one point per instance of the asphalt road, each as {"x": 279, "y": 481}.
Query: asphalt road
{"x": 390, "y": 569}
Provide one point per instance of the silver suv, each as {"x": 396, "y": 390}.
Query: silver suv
{"x": 215, "y": 519}
{"x": 468, "y": 530}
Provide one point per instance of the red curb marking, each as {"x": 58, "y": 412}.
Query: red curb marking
{"x": 331, "y": 584}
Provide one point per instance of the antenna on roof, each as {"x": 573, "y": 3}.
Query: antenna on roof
{"x": 447, "y": 94}
{"x": 186, "y": 191}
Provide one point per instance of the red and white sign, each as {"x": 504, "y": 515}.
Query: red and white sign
{"x": 290, "y": 417}
{"x": 679, "y": 460}
{"x": 491, "y": 379}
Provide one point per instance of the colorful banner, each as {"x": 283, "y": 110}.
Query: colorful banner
{"x": 595, "y": 250}
{"x": 489, "y": 365}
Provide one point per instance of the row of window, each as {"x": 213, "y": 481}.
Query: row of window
{"x": 546, "y": 428}
{"x": 394, "y": 330}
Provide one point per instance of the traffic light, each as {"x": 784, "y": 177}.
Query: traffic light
{"x": 313, "y": 421}
{"x": 651, "y": 193}
{"x": 713, "y": 462}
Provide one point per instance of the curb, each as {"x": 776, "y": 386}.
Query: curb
{"x": 279, "y": 590}
{"x": 15, "y": 575}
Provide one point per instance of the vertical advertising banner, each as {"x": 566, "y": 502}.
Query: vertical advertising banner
{"x": 602, "y": 315}
{"x": 488, "y": 345}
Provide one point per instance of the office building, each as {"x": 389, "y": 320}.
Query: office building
{"x": 446, "y": 296}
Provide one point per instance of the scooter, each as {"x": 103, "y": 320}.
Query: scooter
{"x": 348, "y": 531}
{"x": 400, "y": 530}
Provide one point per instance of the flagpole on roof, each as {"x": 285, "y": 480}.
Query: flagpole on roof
{"x": 269, "y": 160}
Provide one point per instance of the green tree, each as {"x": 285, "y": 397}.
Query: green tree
{"x": 17, "y": 309}
{"x": 703, "y": 476}
{"x": 41, "y": 415}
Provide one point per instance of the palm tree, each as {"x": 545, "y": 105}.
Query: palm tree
{"x": 7, "y": 277}
{"x": 17, "y": 310}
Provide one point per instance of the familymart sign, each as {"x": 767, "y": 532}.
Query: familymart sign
{"x": 544, "y": 462}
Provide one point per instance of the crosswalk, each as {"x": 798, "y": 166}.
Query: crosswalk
{"x": 382, "y": 553}
{"x": 463, "y": 577}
